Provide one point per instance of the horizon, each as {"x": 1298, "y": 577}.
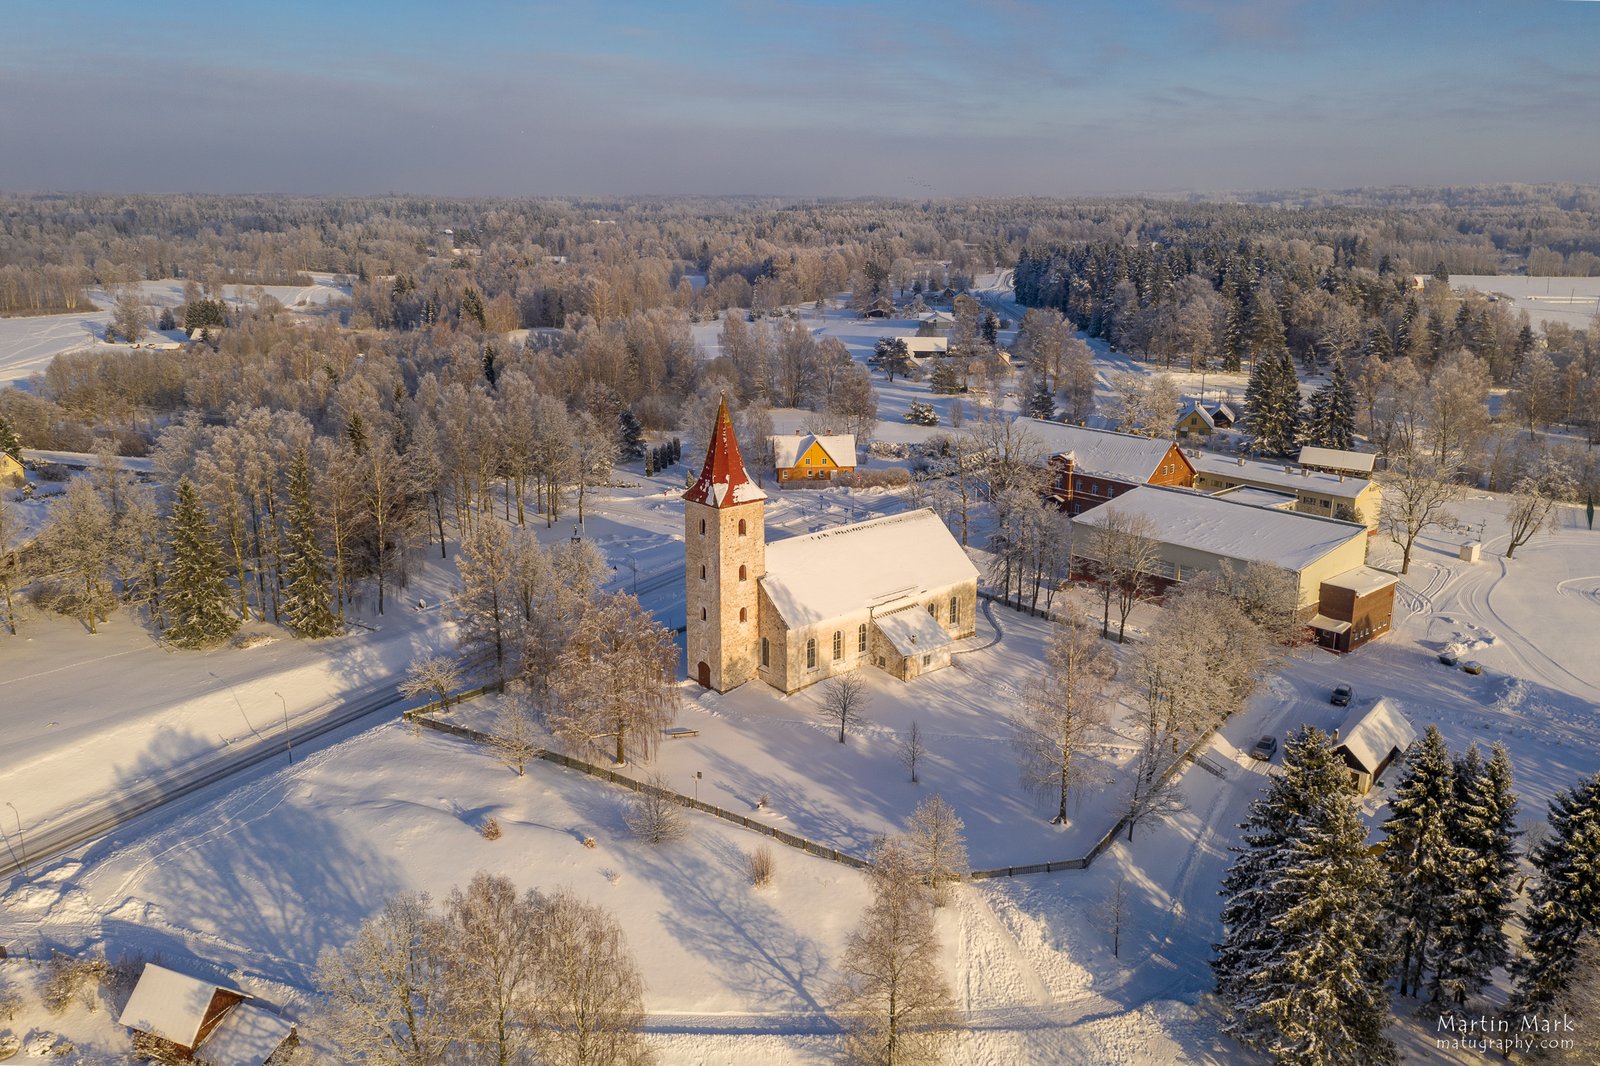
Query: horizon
{"x": 829, "y": 101}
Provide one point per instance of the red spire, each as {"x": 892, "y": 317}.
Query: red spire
{"x": 723, "y": 481}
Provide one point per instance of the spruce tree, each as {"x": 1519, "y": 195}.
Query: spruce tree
{"x": 944, "y": 380}
{"x": 1564, "y": 908}
{"x": 1302, "y": 961}
{"x": 630, "y": 435}
{"x": 198, "y": 601}
{"x": 1331, "y": 413}
{"x": 1042, "y": 401}
{"x": 307, "y": 597}
{"x": 1424, "y": 862}
{"x": 1471, "y": 939}
{"x": 10, "y": 442}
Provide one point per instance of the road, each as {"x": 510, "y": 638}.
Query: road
{"x": 25, "y": 853}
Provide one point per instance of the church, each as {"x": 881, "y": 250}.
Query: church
{"x": 894, "y": 592}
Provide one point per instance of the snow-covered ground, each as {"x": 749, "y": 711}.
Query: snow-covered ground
{"x": 28, "y": 344}
{"x": 1571, "y": 301}
{"x": 250, "y": 884}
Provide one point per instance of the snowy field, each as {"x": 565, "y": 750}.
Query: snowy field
{"x": 1571, "y": 301}
{"x": 28, "y": 344}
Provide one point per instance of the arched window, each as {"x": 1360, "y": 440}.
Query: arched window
{"x": 702, "y": 527}
{"x": 702, "y": 573}
{"x": 933, "y": 610}
{"x": 702, "y": 614}
{"x": 741, "y": 571}
{"x": 838, "y": 645}
{"x": 955, "y": 610}
{"x": 861, "y": 638}
{"x": 741, "y": 527}
{"x": 766, "y": 652}
{"x": 811, "y": 654}
{"x": 743, "y": 616}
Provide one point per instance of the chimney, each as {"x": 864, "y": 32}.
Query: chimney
{"x": 1341, "y": 479}
{"x": 1336, "y": 736}
{"x": 1304, "y": 472}
{"x": 1241, "y": 460}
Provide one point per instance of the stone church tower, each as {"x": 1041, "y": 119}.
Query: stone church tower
{"x": 725, "y": 552}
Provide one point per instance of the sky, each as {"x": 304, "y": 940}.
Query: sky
{"x": 795, "y": 99}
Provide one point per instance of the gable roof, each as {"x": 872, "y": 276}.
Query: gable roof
{"x": 724, "y": 481}
{"x": 171, "y": 1005}
{"x": 850, "y": 568}
{"x": 911, "y": 630}
{"x": 1337, "y": 459}
{"x": 247, "y": 1037}
{"x": 1221, "y": 527}
{"x": 788, "y": 450}
{"x": 1102, "y": 451}
{"x": 1370, "y": 735}
{"x": 1343, "y": 487}
{"x": 1195, "y": 408}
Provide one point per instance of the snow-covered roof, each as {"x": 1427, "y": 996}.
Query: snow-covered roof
{"x": 926, "y": 345}
{"x": 1101, "y": 451}
{"x": 911, "y": 630}
{"x": 1370, "y": 735}
{"x": 246, "y": 1037}
{"x": 170, "y": 1004}
{"x": 1336, "y": 459}
{"x": 849, "y": 568}
{"x": 788, "y": 449}
{"x": 1218, "y": 526}
{"x": 1223, "y": 410}
{"x": 1294, "y": 479}
{"x": 1255, "y": 497}
{"x": 724, "y": 481}
{"x": 1195, "y": 408}
{"x": 1362, "y": 580}
{"x": 1329, "y": 625}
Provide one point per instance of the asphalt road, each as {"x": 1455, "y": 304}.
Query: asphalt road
{"x": 28, "y": 851}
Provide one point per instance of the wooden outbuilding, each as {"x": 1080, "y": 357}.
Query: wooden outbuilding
{"x": 1371, "y": 739}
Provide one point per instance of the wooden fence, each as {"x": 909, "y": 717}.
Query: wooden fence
{"x": 810, "y": 847}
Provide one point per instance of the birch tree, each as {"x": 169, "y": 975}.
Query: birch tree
{"x": 384, "y": 993}
{"x": 1417, "y": 492}
{"x": 616, "y": 679}
{"x": 1533, "y": 503}
{"x": 1123, "y": 555}
{"x": 1061, "y": 711}
{"x": 77, "y": 541}
{"x": 590, "y": 992}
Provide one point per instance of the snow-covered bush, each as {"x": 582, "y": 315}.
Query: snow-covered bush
{"x": 490, "y": 830}
{"x": 653, "y": 816}
{"x": 922, "y": 414}
{"x": 66, "y": 977}
{"x": 760, "y": 866}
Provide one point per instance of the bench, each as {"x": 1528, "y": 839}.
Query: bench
{"x": 679, "y": 733}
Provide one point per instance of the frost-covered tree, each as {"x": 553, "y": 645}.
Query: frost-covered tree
{"x": 1061, "y": 711}
{"x": 1564, "y": 907}
{"x": 198, "y": 601}
{"x": 1533, "y": 503}
{"x": 1423, "y": 860}
{"x": 1272, "y": 404}
{"x": 490, "y": 943}
{"x": 938, "y": 850}
{"x": 10, "y": 441}
{"x": 517, "y": 736}
{"x": 1331, "y": 412}
{"x": 307, "y": 596}
{"x": 589, "y": 992}
{"x": 434, "y": 676}
{"x": 1471, "y": 940}
{"x": 1123, "y": 554}
{"x": 1041, "y": 399}
{"x": 1417, "y": 492}
{"x": 616, "y": 679}
{"x": 892, "y": 997}
{"x": 1303, "y": 956}
{"x": 384, "y": 994}
{"x": 77, "y": 542}
{"x": 893, "y": 357}
{"x": 485, "y": 605}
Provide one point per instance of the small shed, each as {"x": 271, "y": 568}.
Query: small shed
{"x": 1371, "y": 739}
{"x": 187, "y": 1012}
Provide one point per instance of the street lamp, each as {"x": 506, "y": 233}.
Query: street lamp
{"x": 697, "y": 786}
{"x": 23, "y": 844}
{"x": 287, "y": 746}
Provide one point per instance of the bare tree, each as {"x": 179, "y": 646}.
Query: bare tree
{"x": 1268, "y": 595}
{"x": 616, "y": 679}
{"x": 484, "y": 606}
{"x": 1116, "y": 913}
{"x": 1153, "y": 792}
{"x": 912, "y": 750}
{"x": 1123, "y": 555}
{"x": 437, "y": 676}
{"x": 590, "y": 993}
{"x": 844, "y": 701}
{"x": 1061, "y": 710}
{"x": 653, "y": 815}
{"x": 1417, "y": 492}
{"x": 892, "y": 997}
{"x": 938, "y": 850}
{"x": 491, "y": 955}
{"x": 1533, "y": 502}
{"x": 517, "y": 736}
{"x": 384, "y": 993}
{"x": 760, "y": 866}
{"x": 12, "y": 576}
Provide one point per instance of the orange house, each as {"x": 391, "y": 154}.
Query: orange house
{"x": 808, "y": 457}
{"x": 1089, "y": 467}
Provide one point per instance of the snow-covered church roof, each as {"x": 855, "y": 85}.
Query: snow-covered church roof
{"x": 723, "y": 481}
{"x": 850, "y": 568}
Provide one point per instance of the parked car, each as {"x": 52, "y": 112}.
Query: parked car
{"x": 1448, "y": 656}
{"x": 1472, "y": 668}
{"x": 1341, "y": 695}
{"x": 1264, "y": 749}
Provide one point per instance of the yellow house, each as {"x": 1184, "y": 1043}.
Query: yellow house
{"x": 11, "y": 475}
{"x": 1196, "y": 422}
{"x": 808, "y": 457}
